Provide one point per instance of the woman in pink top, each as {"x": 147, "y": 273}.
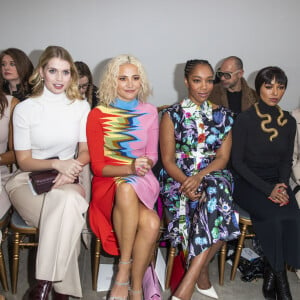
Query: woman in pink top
{"x": 122, "y": 135}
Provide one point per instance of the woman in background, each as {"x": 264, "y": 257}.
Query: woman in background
{"x": 122, "y": 135}
{"x": 295, "y": 178}
{"x": 195, "y": 143}
{"x": 16, "y": 68}
{"x": 7, "y": 154}
{"x": 52, "y": 123}
{"x": 85, "y": 83}
{"x": 263, "y": 143}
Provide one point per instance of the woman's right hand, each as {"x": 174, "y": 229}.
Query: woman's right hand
{"x": 70, "y": 167}
{"x": 279, "y": 194}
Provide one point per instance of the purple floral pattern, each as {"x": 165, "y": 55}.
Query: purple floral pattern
{"x": 199, "y": 132}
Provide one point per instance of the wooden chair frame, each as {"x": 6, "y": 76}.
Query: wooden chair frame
{"x": 245, "y": 223}
{"x": 19, "y": 242}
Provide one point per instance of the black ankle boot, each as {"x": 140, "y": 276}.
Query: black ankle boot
{"x": 282, "y": 286}
{"x": 269, "y": 290}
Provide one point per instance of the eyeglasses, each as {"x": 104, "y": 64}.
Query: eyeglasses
{"x": 83, "y": 86}
{"x": 227, "y": 75}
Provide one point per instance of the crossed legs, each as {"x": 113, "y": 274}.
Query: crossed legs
{"x": 137, "y": 230}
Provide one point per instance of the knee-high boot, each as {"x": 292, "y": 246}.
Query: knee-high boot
{"x": 282, "y": 286}
{"x": 269, "y": 290}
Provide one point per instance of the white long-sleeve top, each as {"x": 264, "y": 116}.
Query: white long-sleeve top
{"x": 50, "y": 125}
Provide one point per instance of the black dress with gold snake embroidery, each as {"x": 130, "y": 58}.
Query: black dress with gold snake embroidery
{"x": 259, "y": 163}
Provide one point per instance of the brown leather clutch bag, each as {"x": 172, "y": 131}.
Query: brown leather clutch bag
{"x": 42, "y": 181}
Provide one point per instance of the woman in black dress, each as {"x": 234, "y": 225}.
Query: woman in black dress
{"x": 263, "y": 140}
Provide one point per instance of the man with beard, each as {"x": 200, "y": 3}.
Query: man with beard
{"x": 233, "y": 91}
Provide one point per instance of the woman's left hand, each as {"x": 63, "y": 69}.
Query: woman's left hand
{"x": 279, "y": 194}
{"x": 190, "y": 185}
{"x": 62, "y": 179}
{"x": 142, "y": 165}
{"x": 70, "y": 167}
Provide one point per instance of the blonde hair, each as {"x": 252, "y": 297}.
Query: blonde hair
{"x": 109, "y": 81}
{"x": 37, "y": 82}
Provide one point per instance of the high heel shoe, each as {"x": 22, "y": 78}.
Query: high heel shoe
{"x": 117, "y": 283}
{"x": 208, "y": 292}
{"x": 134, "y": 292}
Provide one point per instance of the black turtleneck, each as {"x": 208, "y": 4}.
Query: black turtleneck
{"x": 262, "y": 162}
{"x": 235, "y": 101}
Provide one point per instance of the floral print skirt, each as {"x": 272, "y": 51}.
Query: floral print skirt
{"x": 197, "y": 225}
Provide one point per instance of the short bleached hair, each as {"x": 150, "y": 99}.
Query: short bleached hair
{"x": 109, "y": 81}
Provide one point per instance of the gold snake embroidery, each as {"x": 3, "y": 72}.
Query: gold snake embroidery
{"x": 263, "y": 124}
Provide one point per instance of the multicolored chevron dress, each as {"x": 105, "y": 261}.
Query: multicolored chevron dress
{"x": 199, "y": 132}
{"x": 116, "y": 135}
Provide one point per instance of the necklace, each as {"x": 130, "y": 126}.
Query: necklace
{"x": 263, "y": 124}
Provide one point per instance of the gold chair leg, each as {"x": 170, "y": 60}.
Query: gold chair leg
{"x": 222, "y": 261}
{"x": 171, "y": 257}
{"x": 3, "y": 275}
{"x": 15, "y": 262}
{"x": 238, "y": 251}
{"x": 96, "y": 263}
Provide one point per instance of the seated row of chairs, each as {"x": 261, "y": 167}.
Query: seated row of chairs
{"x": 27, "y": 236}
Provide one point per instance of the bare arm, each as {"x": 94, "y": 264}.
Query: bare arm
{"x": 75, "y": 166}
{"x": 69, "y": 167}
{"x": 189, "y": 184}
{"x": 167, "y": 149}
{"x": 220, "y": 162}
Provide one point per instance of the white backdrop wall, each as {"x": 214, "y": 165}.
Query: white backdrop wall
{"x": 163, "y": 34}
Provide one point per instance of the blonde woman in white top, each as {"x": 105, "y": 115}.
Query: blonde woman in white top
{"x": 52, "y": 124}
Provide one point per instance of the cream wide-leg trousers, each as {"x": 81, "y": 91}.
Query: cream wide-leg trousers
{"x": 59, "y": 216}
